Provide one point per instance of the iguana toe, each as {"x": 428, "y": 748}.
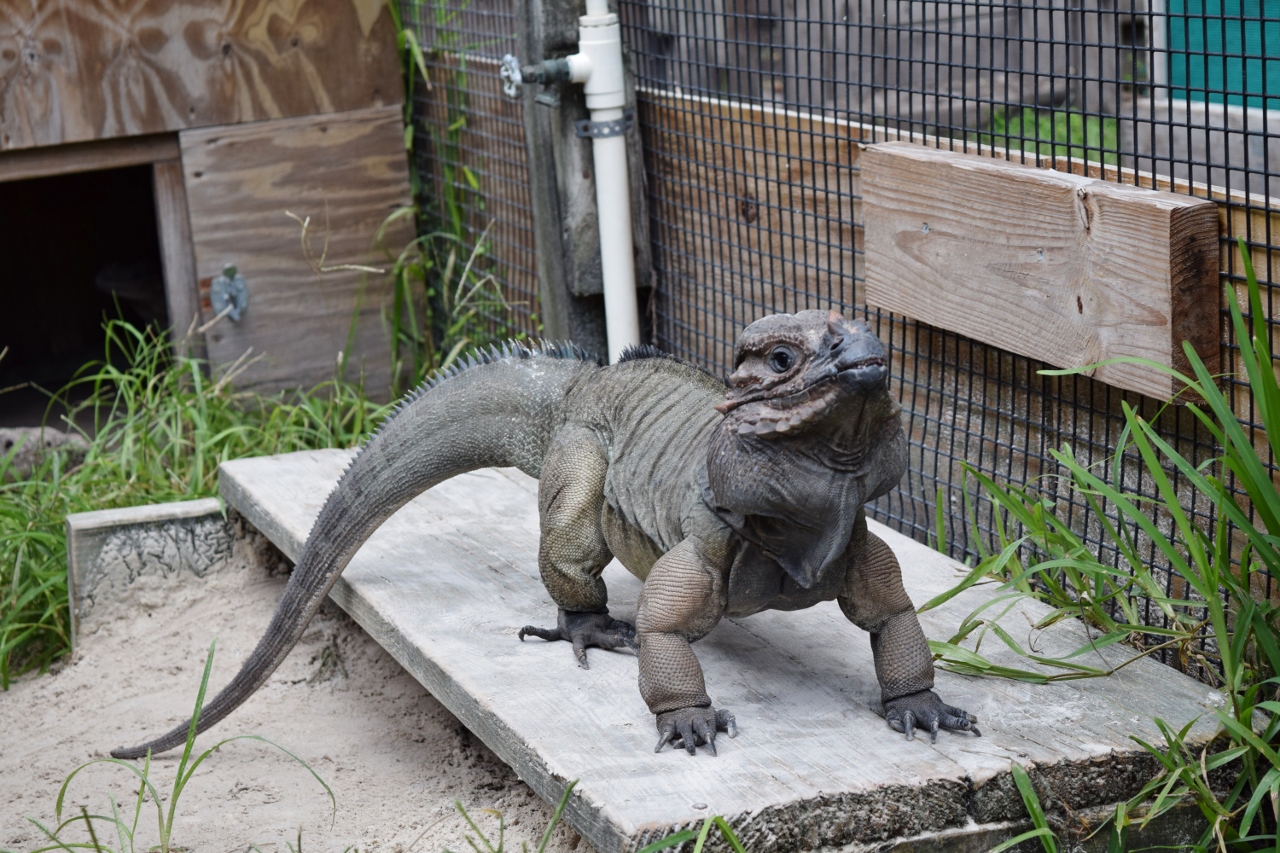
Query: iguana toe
{"x": 584, "y": 630}
{"x": 925, "y": 708}
{"x": 690, "y": 728}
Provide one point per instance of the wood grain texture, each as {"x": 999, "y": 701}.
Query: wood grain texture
{"x": 445, "y": 583}
{"x": 347, "y": 172}
{"x": 72, "y": 71}
{"x": 181, "y": 293}
{"x": 1061, "y": 268}
{"x": 87, "y": 156}
{"x": 792, "y": 259}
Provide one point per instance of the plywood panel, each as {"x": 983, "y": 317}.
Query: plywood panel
{"x": 73, "y": 70}
{"x": 347, "y": 172}
{"x": 1065, "y": 269}
{"x": 87, "y": 156}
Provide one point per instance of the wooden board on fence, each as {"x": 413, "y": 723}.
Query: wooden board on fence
{"x": 446, "y": 582}
{"x": 73, "y": 71}
{"x": 346, "y": 173}
{"x": 1057, "y": 267}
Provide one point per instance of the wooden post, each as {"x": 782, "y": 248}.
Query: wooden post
{"x": 181, "y": 292}
{"x": 562, "y": 185}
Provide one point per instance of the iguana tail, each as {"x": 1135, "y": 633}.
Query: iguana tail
{"x": 498, "y": 409}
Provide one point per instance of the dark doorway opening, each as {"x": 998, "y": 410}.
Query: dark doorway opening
{"x": 75, "y": 250}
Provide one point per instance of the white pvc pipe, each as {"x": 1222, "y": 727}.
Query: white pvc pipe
{"x": 617, "y": 261}
{"x": 598, "y": 65}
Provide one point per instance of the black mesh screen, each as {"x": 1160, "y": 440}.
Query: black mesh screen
{"x": 469, "y": 148}
{"x": 752, "y": 111}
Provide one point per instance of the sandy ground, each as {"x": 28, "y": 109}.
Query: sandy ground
{"x": 394, "y": 757}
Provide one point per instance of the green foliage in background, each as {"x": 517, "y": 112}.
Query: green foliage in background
{"x": 448, "y": 297}
{"x": 157, "y": 428}
{"x": 1054, "y": 133}
{"x": 1223, "y": 626}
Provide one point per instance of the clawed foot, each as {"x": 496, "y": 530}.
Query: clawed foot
{"x": 692, "y": 727}
{"x": 587, "y": 629}
{"x": 925, "y": 709}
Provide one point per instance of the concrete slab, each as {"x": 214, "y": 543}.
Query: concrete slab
{"x": 445, "y": 584}
{"x": 109, "y": 549}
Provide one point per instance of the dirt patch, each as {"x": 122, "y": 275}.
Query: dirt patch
{"x": 395, "y": 758}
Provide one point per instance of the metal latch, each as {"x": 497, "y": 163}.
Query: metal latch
{"x": 228, "y": 293}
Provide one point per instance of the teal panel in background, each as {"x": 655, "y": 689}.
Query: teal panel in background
{"x": 1224, "y": 51}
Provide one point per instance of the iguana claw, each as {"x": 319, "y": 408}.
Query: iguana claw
{"x": 691, "y": 728}
{"x": 586, "y": 629}
{"x": 925, "y": 708}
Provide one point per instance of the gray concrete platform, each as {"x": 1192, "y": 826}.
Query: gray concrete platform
{"x": 445, "y": 584}
{"x": 109, "y": 549}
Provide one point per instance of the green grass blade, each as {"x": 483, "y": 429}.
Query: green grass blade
{"x": 673, "y": 840}
{"x": 1032, "y": 803}
{"x": 555, "y": 818}
{"x": 723, "y": 826}
{"x": 702, "y": 836}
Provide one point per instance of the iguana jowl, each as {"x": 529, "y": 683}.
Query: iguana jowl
{"x": 724, "y": 504}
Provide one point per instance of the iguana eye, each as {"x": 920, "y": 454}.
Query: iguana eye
{"x": 781, "y": 359}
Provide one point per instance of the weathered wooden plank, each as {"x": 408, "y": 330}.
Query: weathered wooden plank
{"x": 72, "y": 71}
{"x": 87, "y": 156}
{"x": 347, "y": 172}
{"x": 689, "y": 137}
{"x": 181, "y": 293}
{"x": 1061, "y": 268}
{"x": 446, "y": 582}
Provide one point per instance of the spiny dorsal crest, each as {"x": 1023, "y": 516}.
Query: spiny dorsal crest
{"x": 511, "y": 349}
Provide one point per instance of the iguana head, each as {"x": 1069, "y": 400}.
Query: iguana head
{"x": 809, "y": 435}
{"x": 795, "y": 371}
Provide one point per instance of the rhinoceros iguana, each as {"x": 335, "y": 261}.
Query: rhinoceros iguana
{"x": 724, "y": 500}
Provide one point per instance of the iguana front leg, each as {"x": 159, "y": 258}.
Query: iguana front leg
{"x": 682, "y": 600}
{"x": 874, "y": 599}
{"x": 572, "y": 551}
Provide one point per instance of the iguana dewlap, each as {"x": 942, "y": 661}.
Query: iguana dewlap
{"x": 724, "y": 501}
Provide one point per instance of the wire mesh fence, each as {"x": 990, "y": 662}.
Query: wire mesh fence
{"x": 752, "y": 111}
{"x": 469, "y": 149}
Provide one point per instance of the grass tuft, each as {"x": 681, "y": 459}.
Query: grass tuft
{"x": 157, "y": 428}
{"x": 1223, "y": 626}
{"x": 123, "y": 825}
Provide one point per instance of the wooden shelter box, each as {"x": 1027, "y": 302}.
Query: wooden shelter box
{"x": 246, "y": 118}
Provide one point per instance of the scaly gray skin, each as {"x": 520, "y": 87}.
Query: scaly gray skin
{"x": 722, "y": 503}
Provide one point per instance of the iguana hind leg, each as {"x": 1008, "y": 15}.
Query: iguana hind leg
{"x": 572, "y": 552}
{"x": 874, "y": 599}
